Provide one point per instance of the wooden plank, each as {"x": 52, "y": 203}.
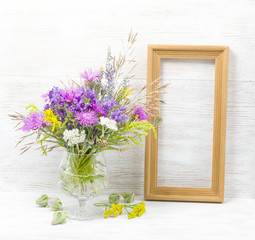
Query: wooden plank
{"x": 34, "y": 172}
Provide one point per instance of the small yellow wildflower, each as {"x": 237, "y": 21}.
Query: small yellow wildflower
{"x": 110, "y": 211}
{"x": 128, "y": 93}
{"x": 51, "y": 118}
{"x": 107, "y": 212}
{"x": 115, "y": 214}
{"x": 114, "y": 208}
{"x": 129, "y": 216}
{"x": 133, "y": 214}
{"x": 105, "y": 216}
{"x": 139, "y": 209}
{"x": 120, "y": 208}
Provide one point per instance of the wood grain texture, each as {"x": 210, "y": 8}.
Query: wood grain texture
{"x": 42, "y": 42}
{"x": 215, "y": 193}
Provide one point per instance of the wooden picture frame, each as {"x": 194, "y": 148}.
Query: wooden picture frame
{"x": 216, "y": 192}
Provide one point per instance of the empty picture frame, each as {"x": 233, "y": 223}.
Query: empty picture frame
{"x": 216, "y": 192}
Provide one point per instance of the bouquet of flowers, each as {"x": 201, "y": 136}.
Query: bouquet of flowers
{"x": 97, "y": 114}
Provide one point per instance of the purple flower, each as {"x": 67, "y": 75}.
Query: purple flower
{"x": 70, "y": 94}
{"x": 34, "y": 121}
{"x": 118, "y": 115}
{"x": 56, "y": 96}
{"x": 99, "y": 109}
{"x": 90, "y": 75}
{"x": 80, "y": 105}
{"x": 125, "y": 83}
{"x": 109, "y": 104}
{"x": 109, "y": 75}
{"x": 87, "y": 118}
{"x": 90, "y": 94}
{"x": 142, "y": 115}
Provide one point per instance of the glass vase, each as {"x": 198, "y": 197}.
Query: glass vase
{"x": 82, "y": 176}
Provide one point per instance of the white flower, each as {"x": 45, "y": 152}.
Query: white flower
{"x": 112, "y": 124}
{"x": 73, "y": 137}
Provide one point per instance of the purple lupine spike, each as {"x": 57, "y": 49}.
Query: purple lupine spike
{"x": 125, "y": 83}
{"x": 109, "y": 75}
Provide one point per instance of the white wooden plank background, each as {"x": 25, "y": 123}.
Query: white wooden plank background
{"x": 43, "y": 41}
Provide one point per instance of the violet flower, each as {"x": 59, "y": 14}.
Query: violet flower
{"x": 56, "y": 95}
{"x": 142, "y": 115}
{"x": 70, "y": 94}
{"x": 90, "y": 75}
{"x": 108, "y": 105}
{"x": 99, "y": 109}
{"x": 87, "y": 118}
{"x": 118, "y": 115}
{"x": 33, "y": 121}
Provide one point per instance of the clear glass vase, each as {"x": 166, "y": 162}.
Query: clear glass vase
{"x": 82, "y": 176}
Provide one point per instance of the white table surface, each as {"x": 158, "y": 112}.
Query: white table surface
{"x": 234, "y": 219}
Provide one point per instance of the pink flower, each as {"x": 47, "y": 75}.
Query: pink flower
{"x": 87, "y": 118}
{"x": 99, "y": 109}
{"x": 141, "y": 114}
{"x": 33, "y": 121}
{"x": 70, "y": 94}
{"x": 90, "y": 75}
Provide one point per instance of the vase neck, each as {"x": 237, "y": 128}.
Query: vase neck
{"x": 82, "y": 202}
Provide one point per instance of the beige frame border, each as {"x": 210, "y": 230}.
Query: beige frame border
{"x": 216, "y": 192}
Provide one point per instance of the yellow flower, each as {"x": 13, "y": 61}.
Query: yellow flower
{"x": 133, "y": 214}
{"x": 105, "y": 216}
{"x": 128, "y": 92}
{"x": 108, "y": 212}
{"x": 51, "y": 118}
{"x": 115, "y": 214}
{"x": 129, "y": 216}
{"x": 119, "y": 208}
{"x": 139, "y": 209}
{"x": 114, "y": 209}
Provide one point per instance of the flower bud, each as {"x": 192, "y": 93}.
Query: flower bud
{"x": 54, "y": 204}
{"x": 157, "y": 120}
{"x": 102, "y": 142}
{"x": 129, "y": 197}
{"x": 42, "y": 201}
{"x": 59, "y": 218}
{"x": 114, "y": 198}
